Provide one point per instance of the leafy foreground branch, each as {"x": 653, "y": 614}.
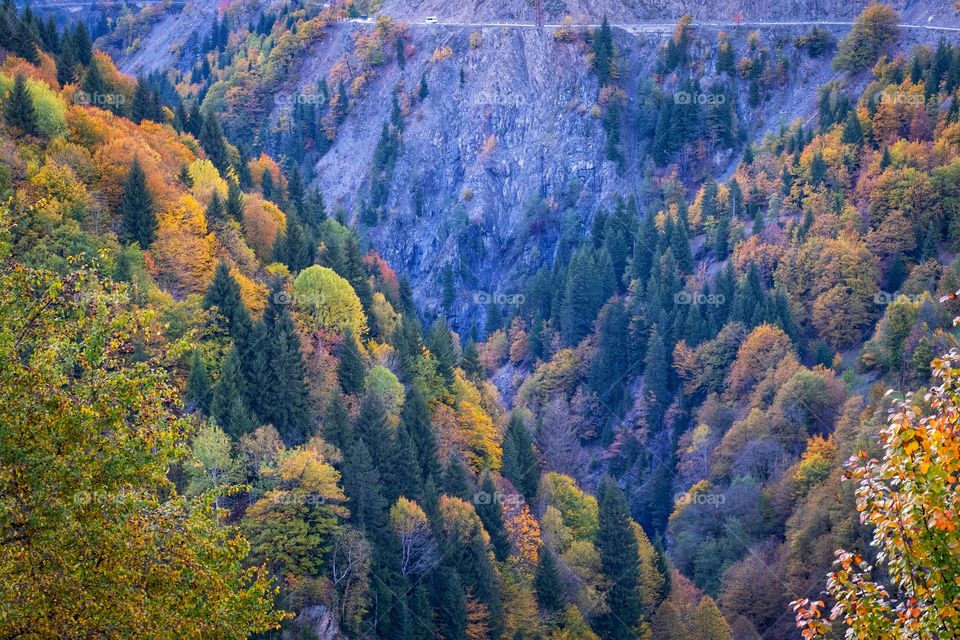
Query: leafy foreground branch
{"x": 94, "y": 539}
{"x": 910, "y": 500}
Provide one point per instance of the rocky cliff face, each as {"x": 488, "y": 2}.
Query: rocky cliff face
{"x": 493, "y": 165}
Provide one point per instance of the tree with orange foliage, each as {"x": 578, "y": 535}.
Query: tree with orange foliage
{"x": 764, "y": 349}
{"x": 910, "y": 498}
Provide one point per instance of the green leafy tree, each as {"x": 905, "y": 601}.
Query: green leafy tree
{"x": 213, "y": 467}
{"x": 330, "y": 300}
{"x": 101, "y": 545}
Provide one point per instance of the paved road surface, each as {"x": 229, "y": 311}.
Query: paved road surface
{"x": 633, "y": 27}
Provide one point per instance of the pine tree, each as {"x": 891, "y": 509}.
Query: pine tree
{"x": 211, "y": 138}
{"x": 95, "y": 87}
{"x": 361, "y": 483}
{"x": 7, "y": 13}
{"x": 470, "y": 362}
{"x": 852, "y": 130}
{"x": 82, "y": 43}
{"x": 424, "y": 89}
{"x": 25, "y": 42}
{"x": 456, "y": 479}
{"x": 67, "y": 62}
{"x": 608, "y": 371}
{"x": 440, "y": 343}
{"x": 585, "y": 292}
{"x": 315, "y": 211}
{"x": 449, "y": 603}
{"x": 401, "y": 54}
{"x": 142, "y": 107}
{"x": 680, "y": 245}
{"x": 234, "y": 206}
{"x": 184, "y": 177}
{"x": 123, "y": 268}
{"x": 198, "y": 394}
{"x": 519, "y": 458}
{"x": 726, "y": 62}
{"x": 337, "y": 429}
{"x": 279, "y": 392}
{"x": 415, "y": 418}
{"x": 371, "y": 427}
{"x": 407, "y": 473}
{"x": 224, "y": 294}
{"x": 603, "y": 52}
{"x": 137, "y": 207}
{"x": 721, "y": 239}
{"x": 818, "y": 169}
{"x": 655, "y": 376}
{"x": 295, "y": 190}
{"x": 50, "y": 36}
{"x": 447, "y": 285}
{"x": 491, "y": 515}
{"x": 194, "y": 119}
{"x": 494, "y": 319}
{"x": 547, "y": 581}
{"x": 423, "y": 627}
{"x": 663, "y": 568}
{"x": 396, "y": 115}
{"x": 619, "y": 560}
{"x": 20, "y": 113}
{"x": 229, "y": 405}
{"x": 215, "y": 210}
{"x": 350, "y": 370}
{"x": 929, "y": 249}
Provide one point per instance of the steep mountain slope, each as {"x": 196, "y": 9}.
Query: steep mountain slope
{"x": 716, "y": 247}
{"x": 512, "y": 133}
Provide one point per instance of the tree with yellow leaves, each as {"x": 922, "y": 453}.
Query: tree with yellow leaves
{"x": 292, "y": 525}
{"x": 95, "y": 541}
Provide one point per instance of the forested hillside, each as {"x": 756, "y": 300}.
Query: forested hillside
{"x": 653, "y": 406}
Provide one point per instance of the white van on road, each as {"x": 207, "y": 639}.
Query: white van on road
{"x": 431, "y": 20}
